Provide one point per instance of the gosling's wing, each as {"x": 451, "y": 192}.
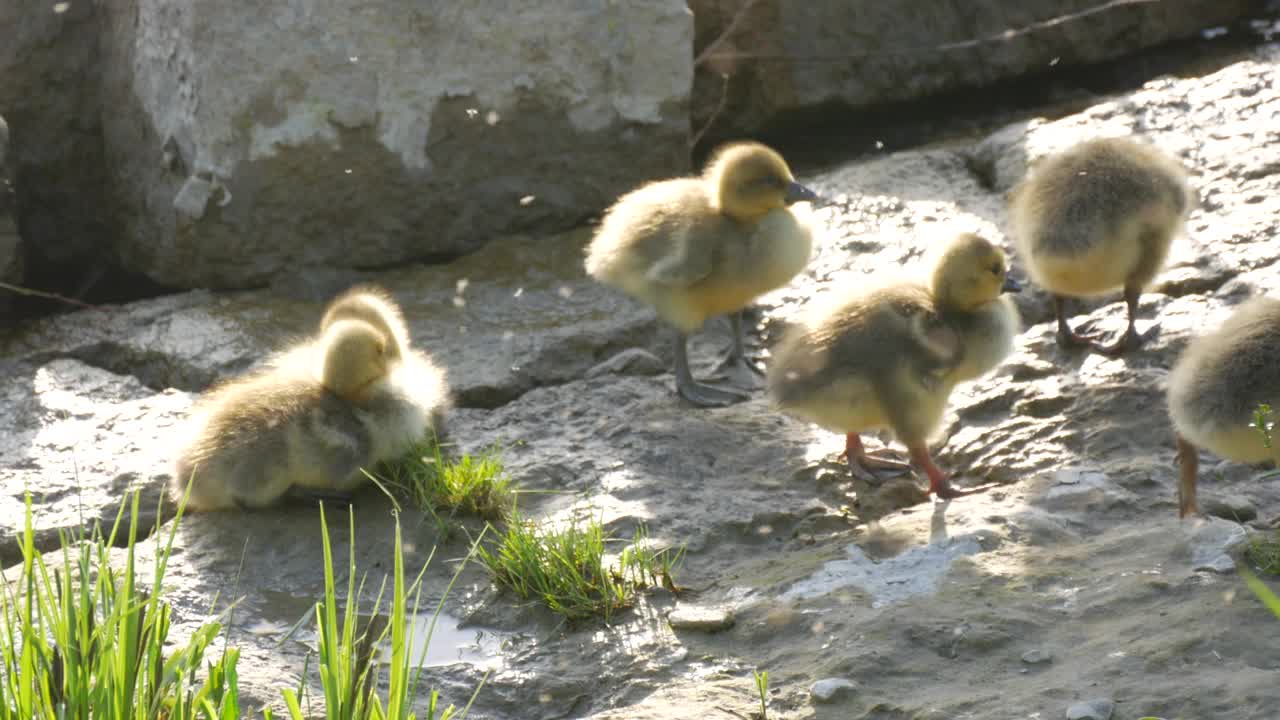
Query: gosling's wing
{"x": 686, "y": 263}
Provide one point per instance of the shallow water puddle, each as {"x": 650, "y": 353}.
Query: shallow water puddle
{"x": 917, "y": 571}
{"x": 449, "y": 644}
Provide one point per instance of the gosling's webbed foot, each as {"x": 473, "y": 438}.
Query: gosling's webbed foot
{"x": 700, "y": 394}
{"x": 739, "y": 370}
{"x": 876, "y": 470}
{"x": 704, "y": 395}
{"x": 948, "y": 491}
{"x": 872, "y": 461}
{"x": 939, "y": 481}
{"x": 865, "y": 465}
{"x": 1130, "y": 340}
{"x": 1072, "y": 340}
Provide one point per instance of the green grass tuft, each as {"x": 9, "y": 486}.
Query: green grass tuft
{"x": 1263, "y": 552}
{"x": 1264, "y": 593}
{"x": 762, "y": 689}
{"x": 1264, "y": 423}
{"x": 348, "y": 670}
{"x": 565, "y": 567}
{"x": 91, "y": 640}
{"x": 476, "y": 485}
{"x": 88, "y": 641}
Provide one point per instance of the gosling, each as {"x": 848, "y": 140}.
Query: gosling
{"x": 1217, "y": 385}
{"x": 308, "y": 430}
{"x": 375, "y": 306}
{"x": 1098, "y": 217}
{"x": 888, "y": 355}
{"x": 697, "y": 247}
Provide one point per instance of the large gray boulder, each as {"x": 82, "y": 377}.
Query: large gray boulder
{"x": 49, "y": 99}
{"x": 245, "y": 142}
{"x": 10, "y": 243}
{"x": 782, "y": 57}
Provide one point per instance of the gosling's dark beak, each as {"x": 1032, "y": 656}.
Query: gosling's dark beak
{"x": 799, "y": 193}
{"x": 1010, "y": 285}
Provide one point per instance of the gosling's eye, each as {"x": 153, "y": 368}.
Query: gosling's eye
{"x": 997, "y": 269}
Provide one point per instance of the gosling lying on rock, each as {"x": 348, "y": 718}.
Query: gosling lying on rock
{"x": 1216, "y": 386}
{"x": 888, "y": 355}
{"x": 373, "y": 305}
{"x": 341, "y": 403}
{"x": 1099, "y": 217}
{"x": 703, "y": 246}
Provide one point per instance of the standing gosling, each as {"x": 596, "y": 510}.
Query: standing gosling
{"x": 889, "y": 355}
{"x": 697, "y": 247}
{"x": 1215, "y": 387}
{"x": 1098, "y": 217}
{"x": 308, "y": 427}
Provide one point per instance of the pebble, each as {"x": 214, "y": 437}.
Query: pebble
{"x": 829, "y": 690}
{"x": 1097, "y": 709}
{"x": 1211, "y": 542}
{"x": 1229, "y": 507}
{"x": 700, "y": 619}
{"x": 1035, "y": 657}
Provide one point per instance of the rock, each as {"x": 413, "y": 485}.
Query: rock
{"x": 247, "y": 144}
{"x": 49, "y": 98}
{"x": 1236, "y": 508}
{"x": 512, "y": 316}
{"x": 1209, "y": 544}
{"x": 1082, "y": 490}
{"x": 700, "y": 619}
{"x": 1099, "y": 709}
{"x": 829, "y": 690}
{"x": 1078, "y": 544}
{"x": 632, "y": 361}
{"x": 1037, "y": 657}
{"x": 785, "y": 58}
{"x": 917, "y": 571}
{"x": 78, "y": 438}
{"x": 11, "y": 250}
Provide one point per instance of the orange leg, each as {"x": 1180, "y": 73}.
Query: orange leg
{"x": 939, "y": 483}
{"x": 1189, "y": 465}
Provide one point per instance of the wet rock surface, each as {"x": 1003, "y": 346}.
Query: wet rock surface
{"x": 1099, "y": 709}
{"x": 929, "y": 609}
{"x": 787, "y": 58}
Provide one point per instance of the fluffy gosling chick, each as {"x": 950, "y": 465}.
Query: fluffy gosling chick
{"x": 376, "y": 306}
{"x": 1215, "y": 387}
{"x": 888, "y": 355}
{"x": 702, "y": 246}
{"x": 373, "y": 305}
{"x": 1098, "y": 217}
{"x": 258, "y": 437}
